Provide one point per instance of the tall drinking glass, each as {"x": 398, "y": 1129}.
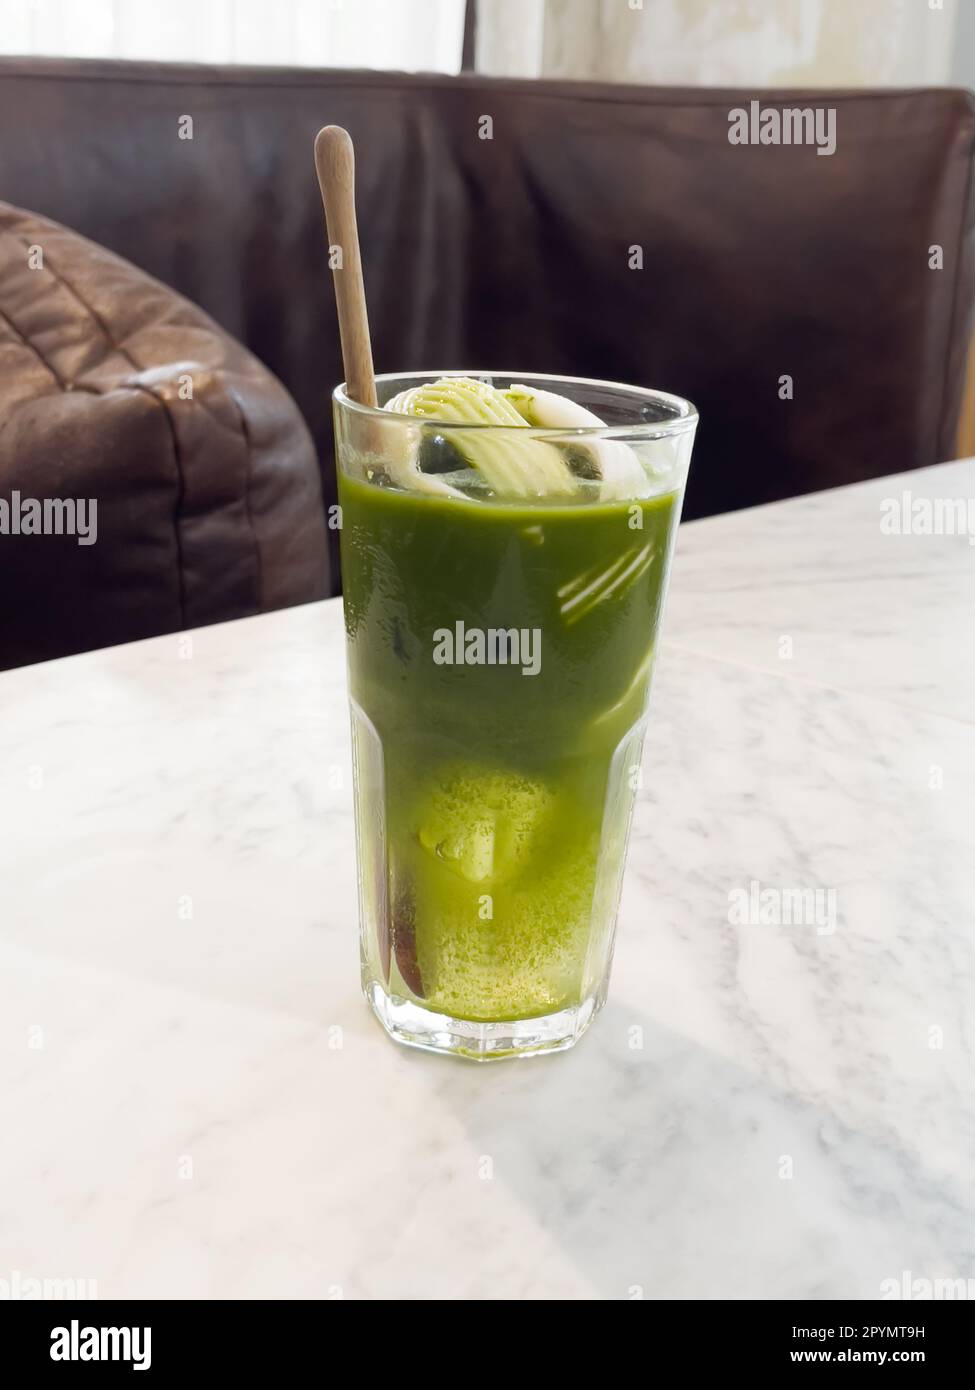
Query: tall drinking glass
{"x": 500, "y": 652}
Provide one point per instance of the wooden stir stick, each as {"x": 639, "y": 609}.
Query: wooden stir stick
{"x": 335, "y": 164}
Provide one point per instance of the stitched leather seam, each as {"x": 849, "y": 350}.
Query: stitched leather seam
{"x": 180, "y": 489}
{"x": 134, "y": 386}
{"x": 93, "y": 315}
{"x": 31, "y": 347}
{"x": 248, "y": 472}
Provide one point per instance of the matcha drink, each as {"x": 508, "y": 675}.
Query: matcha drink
{"x": 504, "y": 561}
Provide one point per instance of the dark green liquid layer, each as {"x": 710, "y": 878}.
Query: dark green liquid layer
{"x": 492, "y": 805}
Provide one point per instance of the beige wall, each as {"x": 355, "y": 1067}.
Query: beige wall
{"x": 746, "y": 43}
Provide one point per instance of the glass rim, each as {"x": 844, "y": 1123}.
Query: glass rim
{"x": 685, "y": 420}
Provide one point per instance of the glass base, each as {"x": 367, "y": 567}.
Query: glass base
{"x": 408, "y": 1023}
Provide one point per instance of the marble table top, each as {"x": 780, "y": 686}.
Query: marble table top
{"x": 196, "y": 1102}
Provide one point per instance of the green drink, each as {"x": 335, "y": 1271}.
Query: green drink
{"x": 503, "y": 589}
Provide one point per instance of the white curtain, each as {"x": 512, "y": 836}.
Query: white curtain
{"x": 415, "y": 35}
{"x": 733, "y": 43}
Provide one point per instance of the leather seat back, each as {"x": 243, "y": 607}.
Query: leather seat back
{"x": 759, "y": 262}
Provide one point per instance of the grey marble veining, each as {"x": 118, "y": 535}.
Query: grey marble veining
{"x": 835, "y": 589}
{"x": 196, "y": 1101}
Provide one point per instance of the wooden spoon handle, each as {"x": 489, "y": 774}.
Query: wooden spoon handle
{"x": 335, "y": 163}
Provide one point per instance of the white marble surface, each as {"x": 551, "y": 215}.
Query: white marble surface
{"x": 203, "y": 1106}
{"x": 867, "y": 610}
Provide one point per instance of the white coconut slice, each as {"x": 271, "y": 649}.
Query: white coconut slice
{"x": 620, "y": 470}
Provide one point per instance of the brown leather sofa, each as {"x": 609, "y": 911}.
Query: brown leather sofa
{"x": 758, "y": 262}
{"x": 153, "y": 475}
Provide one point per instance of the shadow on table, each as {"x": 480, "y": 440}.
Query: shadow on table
{"x": 661, "y": 1169}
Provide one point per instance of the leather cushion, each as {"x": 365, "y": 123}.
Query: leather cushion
{"x": 115, "y": 388}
